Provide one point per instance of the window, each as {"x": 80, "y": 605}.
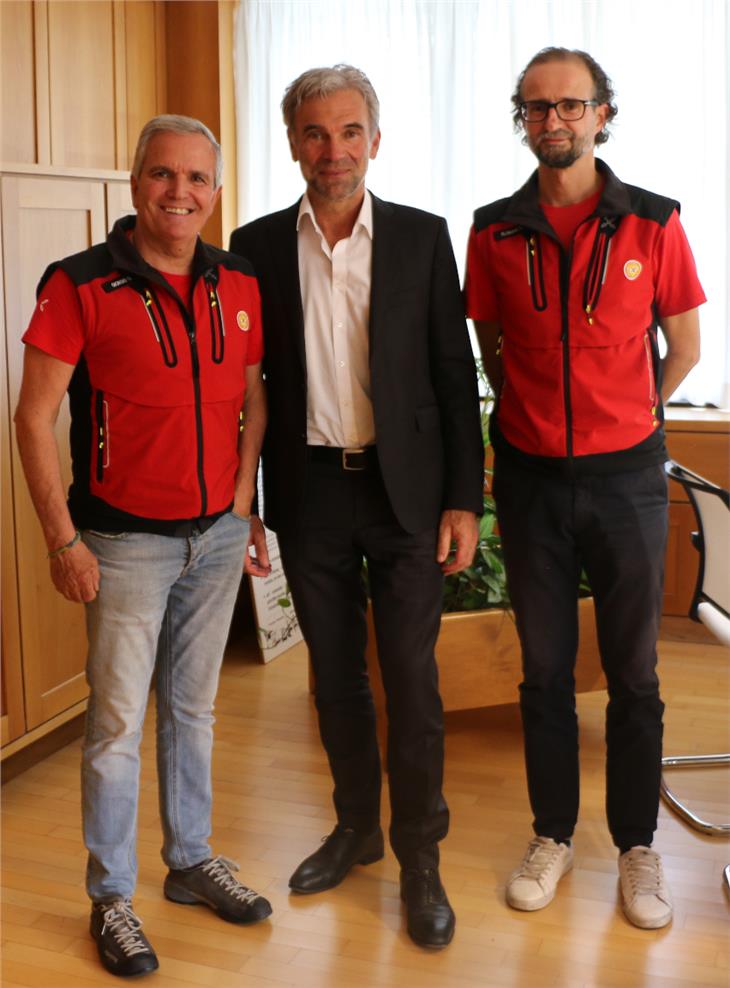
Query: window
{"x": 444, "y": 72}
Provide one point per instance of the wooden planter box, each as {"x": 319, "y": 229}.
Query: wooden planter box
{"x": 479, "y": 659}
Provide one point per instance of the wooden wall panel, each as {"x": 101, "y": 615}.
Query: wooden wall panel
{"x": 681, "y": 561}
{"x": 12, "y": 710}
{"x": 82, "y": 84}
{"x": 42, "y": 82}
{"x": 698, "y": 439}
{"x": 227, "y": 135}
{"x": 192, "y": 75}
{"x": 44, "y": 219}
{"x": 145, "y": 88}
{"x": 17, "y": 102}
{"x": 705, "y": 453}
{"x": 118, "y": 202}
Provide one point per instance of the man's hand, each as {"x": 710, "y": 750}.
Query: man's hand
{"x": 461, "y": 528}
{"x": 75, "y": 574}
{"x": 258, "y": 564}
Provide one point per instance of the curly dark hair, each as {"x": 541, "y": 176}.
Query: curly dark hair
{"x": 603, "y": 87}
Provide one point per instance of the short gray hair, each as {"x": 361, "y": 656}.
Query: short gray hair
{"x": 321, "y": 83}
{"x": 174, "y": 123}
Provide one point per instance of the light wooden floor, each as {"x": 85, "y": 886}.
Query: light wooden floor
{"x": 272, "y": 807}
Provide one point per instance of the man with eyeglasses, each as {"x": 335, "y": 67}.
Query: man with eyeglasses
{"x": 568, "y": 282}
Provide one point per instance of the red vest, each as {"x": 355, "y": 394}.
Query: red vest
{"x": 157, "y": 395}
{"x": 579, "y": 328}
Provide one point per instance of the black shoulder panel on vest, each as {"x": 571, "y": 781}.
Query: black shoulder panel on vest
{"x": 44, "y": 278}
{"x": 95, "y": 262}
{"x": 486, "y": 215}
{"x": 650, "y": 206}
{"x": 88, "y": 265}
{"x": 232, "y": 262}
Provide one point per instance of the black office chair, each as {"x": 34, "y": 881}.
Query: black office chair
{"x": 711, "y": 606}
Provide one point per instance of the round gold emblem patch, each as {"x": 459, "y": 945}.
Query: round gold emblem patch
{"x": 242, "y": 320}
{"x": 632, "y": 270}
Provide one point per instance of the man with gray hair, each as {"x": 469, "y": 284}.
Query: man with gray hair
{"x": 157, "y": 338}
{"x": 373, "y": 452}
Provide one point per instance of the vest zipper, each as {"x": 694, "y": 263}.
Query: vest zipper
{"x": 189, "y": 320}
{"x": 565, "y": 265}
{"x": 102, "y": 437}
{"x": 595, "y": 277}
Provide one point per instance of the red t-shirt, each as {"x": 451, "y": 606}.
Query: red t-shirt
{"x": 565, "y": 220}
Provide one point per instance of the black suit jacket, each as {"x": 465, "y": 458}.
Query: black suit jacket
{"x": 423, "y": 378}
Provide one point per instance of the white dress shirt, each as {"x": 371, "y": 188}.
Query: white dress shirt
{"x": 335, "y": 287}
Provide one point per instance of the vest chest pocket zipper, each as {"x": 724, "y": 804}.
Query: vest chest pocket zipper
{"x": 160, "y": 326}
{"x": 535, "y": 278}
{"x": 217, "y": 327}
{"x": 652, "y": 381}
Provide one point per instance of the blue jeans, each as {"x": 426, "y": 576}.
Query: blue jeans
{"x": 164, "y": 607}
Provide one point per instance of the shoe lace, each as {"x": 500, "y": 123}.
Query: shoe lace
{"x": 643, "y": 871}
{"x": 124, "y": 924}
{"x": 432, "y": 884}
{"x": 221, "y": 870}
{"x": 430, "y": 888}
{"x": 540, "y": 856}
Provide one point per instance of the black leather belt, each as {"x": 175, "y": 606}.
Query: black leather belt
{"x": 352, "y": 458}
{"x": 195, "y": 526}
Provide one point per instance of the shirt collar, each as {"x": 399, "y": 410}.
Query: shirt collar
{"x": 364, "y": 217}
{"x": 524, "y": 206}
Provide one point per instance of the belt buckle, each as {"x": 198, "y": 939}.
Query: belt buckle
{"x": 348, "y": 452}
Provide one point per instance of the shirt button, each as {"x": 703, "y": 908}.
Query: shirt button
{"x": 342, "y": 363}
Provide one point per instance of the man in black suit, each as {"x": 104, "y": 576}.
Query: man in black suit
{"x": 373, "y": 452}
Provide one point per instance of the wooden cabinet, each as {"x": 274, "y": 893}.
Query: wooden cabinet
{"x": 698, "y": 439}
{"x": 79, "y": 79}
{"x": 44, "y": 218}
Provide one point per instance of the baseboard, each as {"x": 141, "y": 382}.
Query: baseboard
{"x": 674, "y": 628}
{"x": 35, "y": 752}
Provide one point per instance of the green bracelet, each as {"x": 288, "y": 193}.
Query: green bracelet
{"x": 64, "y": 548}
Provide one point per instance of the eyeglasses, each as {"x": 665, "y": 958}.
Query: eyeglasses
{"x": 535, "y": 110}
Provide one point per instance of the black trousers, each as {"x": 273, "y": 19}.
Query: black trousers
{"x": 348, "y": 518}
{"x": 615, "y": 527}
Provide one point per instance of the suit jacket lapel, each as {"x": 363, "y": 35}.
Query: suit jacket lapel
{"x": 286, "y": 260}
{"x": 386, "y": 265}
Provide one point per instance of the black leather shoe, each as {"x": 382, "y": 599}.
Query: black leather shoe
{"x": 431, "y": 919}
{"x": 123, "y": 948}
{"x": 339, "y": 852}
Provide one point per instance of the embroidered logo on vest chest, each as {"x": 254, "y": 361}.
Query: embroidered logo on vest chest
{"x": 632, "y": 270}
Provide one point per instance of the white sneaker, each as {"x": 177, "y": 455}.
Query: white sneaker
{"x": 533, "y": 884}
{"x": 644, "y": 892}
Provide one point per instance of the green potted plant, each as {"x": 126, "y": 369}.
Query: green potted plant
{"x": 483, "y": 584}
